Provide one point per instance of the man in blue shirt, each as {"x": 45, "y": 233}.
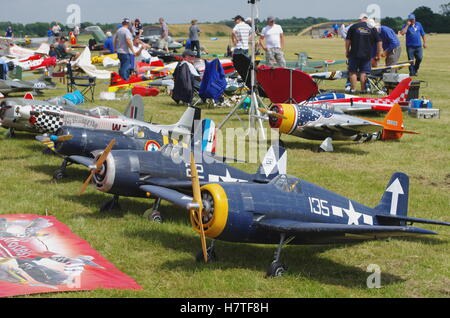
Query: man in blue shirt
{"x": 414, "y": 36}
{"x": 391, "y": 44}
{"x": 109, "y": 45}
{"x": 9, "y": 32}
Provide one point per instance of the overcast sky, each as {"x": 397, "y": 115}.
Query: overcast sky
{"x": 182, "y": 11}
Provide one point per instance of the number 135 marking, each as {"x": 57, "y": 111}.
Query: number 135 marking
{"x": 319, "y": 206}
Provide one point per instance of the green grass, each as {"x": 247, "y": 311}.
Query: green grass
{"x": 160, "y": 257}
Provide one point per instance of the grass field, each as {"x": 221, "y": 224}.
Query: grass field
{"x": 160, "y": 257}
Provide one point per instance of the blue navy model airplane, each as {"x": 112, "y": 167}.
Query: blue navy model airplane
{"x": 127, "y": 172}
{"x": 290, "y": 210}
{"x": 76, "y": 141}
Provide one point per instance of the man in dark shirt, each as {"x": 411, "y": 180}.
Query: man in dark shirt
{"x": 358, "y": 50}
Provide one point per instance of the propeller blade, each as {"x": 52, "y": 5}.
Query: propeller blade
{"x": 64, "y": 138}
{"x": 105, "y": 154}
{"x": 98, "y": 165}
{"x": 197, "y": 200}
{"x": 86, "y": 183}
{"x": 271, "y": 113}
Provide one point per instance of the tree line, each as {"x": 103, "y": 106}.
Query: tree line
{"x": 431, "y": 21}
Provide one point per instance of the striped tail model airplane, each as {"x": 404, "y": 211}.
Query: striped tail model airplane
{"x": 354, "y": 104}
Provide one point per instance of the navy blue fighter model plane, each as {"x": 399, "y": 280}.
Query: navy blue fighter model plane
{"x": 127, "y": 172}
{"x": 289, "y": 210}
{"x": 77, "y": 141}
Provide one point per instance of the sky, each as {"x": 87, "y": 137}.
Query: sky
{"x": 182, "y": 11}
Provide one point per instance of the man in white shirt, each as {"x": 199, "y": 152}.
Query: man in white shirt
{"x": 240, "y": 36}
{"x": 274, "y": 42}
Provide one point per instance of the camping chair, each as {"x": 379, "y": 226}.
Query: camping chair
{"x": 86, "y": 84}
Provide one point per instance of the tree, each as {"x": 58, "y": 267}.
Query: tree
{"x": 445, "y": 9}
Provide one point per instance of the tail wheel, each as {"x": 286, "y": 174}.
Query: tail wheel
{"x": 215, "y": 211}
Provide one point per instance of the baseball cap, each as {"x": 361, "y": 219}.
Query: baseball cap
{"x": 270, "y": 18}
{"x": 363, "y": 16}
{"x": 238, "y": 17}
{"x": 126, "y": 21}
{"x": 188, "y": 52}
{"x": 108, "y": 33}
{"x": 412, "y": 16}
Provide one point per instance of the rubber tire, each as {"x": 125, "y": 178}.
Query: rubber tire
{"x": 58, "y": 175}
{"x": 212, "y": 257}
{"x": 276, "y": 269}
{"x": 156, "y": 217}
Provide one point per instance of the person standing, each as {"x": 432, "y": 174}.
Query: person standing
{"x": 415, "y": 35}
{"x": 137, "y": 28}
{"x": 123, "y": 43}
{"x": 9, "y": 32}
{"x": 391, "y": 44}
{"x": 194, "y": 32}
{"x": 56, "y": 29}
{"x": 108, "y": 44}
{"x": 358, "y": 49}
{"x": 273, "y": 36}
{"x": 240, "y": 35}
{"x": 164, "y": 35}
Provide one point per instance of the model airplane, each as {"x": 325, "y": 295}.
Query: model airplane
{"x": 76, "y": 141}
{"x": 125, "y": 172}
{"x": 304, "y": 64}
{"x": 289, "y": 210}
{"x": 355, "y": 104}
{"x": 321, "y": 124}
{"x": 34, "y": 62}
{"x": 19, "y": 86}
{"x": 343, "y": 74}
{"x": 45, "y": 117}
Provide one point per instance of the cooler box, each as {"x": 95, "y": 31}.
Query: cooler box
{"x": 425, "y": 113}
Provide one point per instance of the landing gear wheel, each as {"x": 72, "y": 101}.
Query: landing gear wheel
{"x": 156, "y": 217}
{"x": 212, "y": 257}
{"x": 58, "y": 175}
{"x": 276, "y": 269}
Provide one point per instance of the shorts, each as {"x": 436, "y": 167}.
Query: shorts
{"x": 164, "y": 44}
{"x": 356, "y": 65}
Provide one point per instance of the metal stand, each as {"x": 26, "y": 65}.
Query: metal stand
{"x": 255, "y": 100}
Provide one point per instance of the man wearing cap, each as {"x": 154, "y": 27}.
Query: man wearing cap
{"x": 123, "y": 43}
{"x": 109, "y": 45}
{"x": 240, "y": 35}
{"x": 358, "y": 49}
{"x": 391, "y": 45}
{"x": 64, "y": 51}
{"x": 414, "y": 36}
{"x": 272, "y": 35}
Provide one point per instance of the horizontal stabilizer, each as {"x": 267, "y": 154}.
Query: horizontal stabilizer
{"x": 395, "y": 219}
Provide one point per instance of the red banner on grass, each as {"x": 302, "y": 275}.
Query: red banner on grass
{"x": 38, "y": 254}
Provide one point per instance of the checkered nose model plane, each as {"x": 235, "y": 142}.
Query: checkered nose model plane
{"x": 128, "y": 172}
{"x": 290, "y": 210}
{"x": 315, "y": 123}
{"x": 45, "y": 117}
{"x": 354, "y": 104}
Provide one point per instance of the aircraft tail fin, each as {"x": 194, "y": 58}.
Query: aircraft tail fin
{"x": 395, "y": 199}
{"x": 135, "y": 109}
{"x": 400, "y": 93}
{"x": 393, "y": 126}
{"x": 115, "y": 79}
{"x": 28, "y": 96}
{"x": 273, "y": 164}
{"x": 208, "y": 135}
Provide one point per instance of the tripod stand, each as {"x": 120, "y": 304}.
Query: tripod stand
{"x": 255, "y": 100}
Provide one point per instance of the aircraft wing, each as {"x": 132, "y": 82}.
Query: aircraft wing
{"x": 296, "y": 227}
{"x": 85, "y": 161}
{"x": 170, "y": 195}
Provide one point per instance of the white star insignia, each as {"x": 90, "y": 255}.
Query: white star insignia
{"x": 353, "y": 216}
